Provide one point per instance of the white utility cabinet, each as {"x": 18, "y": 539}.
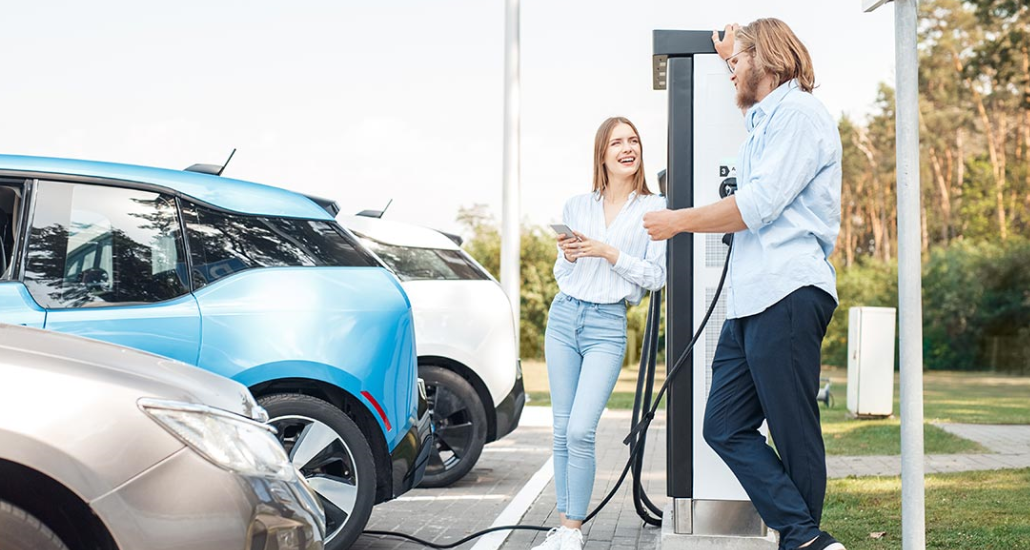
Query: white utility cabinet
{"x": 871, "y": 361}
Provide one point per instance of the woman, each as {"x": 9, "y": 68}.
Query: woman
{"x": 610, "y": 261}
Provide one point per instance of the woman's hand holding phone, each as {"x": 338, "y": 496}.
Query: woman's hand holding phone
{"x": 564, "y": 242}
{"x": 565, "y": 236}
{"x": 580, "y": 246}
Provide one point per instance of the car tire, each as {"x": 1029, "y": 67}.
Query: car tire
{"x": 335, "y": 458}
{"x": 22, "y": 531}
{"x": 459, "y": 423}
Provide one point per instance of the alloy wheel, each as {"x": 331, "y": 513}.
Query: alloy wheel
{"x": 455, "y": 432}
{"x": 327, "y": 463}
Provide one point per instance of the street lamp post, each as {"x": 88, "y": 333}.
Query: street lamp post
{"x": 910, "y": 283}
{"x": 510, "y": 234}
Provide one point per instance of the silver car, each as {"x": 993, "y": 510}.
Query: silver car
{"x": 110, "y": 448}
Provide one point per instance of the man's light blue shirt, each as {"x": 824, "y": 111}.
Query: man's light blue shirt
{"x": 789, "y": 181}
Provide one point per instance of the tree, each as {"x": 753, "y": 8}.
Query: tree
{"x": 867, "y": 194}
{"x": 974, "y": 88}
{"x": 985, "y": 42}
{"x": 1005, "y": 53}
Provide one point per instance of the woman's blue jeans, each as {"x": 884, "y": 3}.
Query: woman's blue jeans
{"x": 584, "y": 346}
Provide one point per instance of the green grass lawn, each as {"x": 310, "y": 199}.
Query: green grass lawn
{"x": 978, "y": 398}
{"x": 844, "y": 437}
{"x": 975, "y": 398}
{"x": 959, "y": 397}
{"x": 949, "y": 397}
{"x": 955, "y": 397}
{"x": 970, "y": 510}
{"x": 850, "y": 437}
{"x": 618, "y": 400}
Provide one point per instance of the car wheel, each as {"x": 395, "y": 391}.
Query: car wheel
{"x": 22, "y": 531}
{"x": 331, "y": 452}
{"x": 459, "y": 421}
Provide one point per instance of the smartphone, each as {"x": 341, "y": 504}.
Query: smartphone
{"x": 563, "y": 229}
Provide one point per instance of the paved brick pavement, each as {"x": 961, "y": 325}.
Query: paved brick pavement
{"x": 617, "y": 526}
{"x": 1005, "y": 440}
{"x": 472, "y": 504}
{"x": 446, "y": 515}
{"x": 1010, "y": 446}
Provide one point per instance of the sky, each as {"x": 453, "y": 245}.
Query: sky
{"x": 368, "y": 101}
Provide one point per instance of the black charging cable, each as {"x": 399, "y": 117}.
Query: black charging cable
{"x": 636, "y": 437}
{"x": 646, "y": 509}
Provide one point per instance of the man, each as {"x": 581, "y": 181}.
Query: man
{"x": 785, "y": 218}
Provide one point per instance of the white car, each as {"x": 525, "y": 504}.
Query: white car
{"x": 465, "y": 338}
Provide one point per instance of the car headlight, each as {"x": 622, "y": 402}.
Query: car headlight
{"x": 227, "y": 440}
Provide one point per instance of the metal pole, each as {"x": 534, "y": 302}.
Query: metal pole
{"x": 910, "y": 305}
{"x": 510, "y": 237}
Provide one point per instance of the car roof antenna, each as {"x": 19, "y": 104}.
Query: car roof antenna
{"x": 226, "y": 162}
{"x": 211, "y": 169}
{"x": 376, "y": 213}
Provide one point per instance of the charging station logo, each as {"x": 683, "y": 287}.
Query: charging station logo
{"x": 728, "y": 175}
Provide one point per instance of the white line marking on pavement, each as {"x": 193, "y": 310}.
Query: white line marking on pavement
{"x": 536, "y": 417}
{"x": 453, "y": 497}
{"x": 517, "y": 507}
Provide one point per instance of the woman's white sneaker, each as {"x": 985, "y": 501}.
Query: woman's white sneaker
{"x": 553, "y": 540}
{"x": 572, "y": 539}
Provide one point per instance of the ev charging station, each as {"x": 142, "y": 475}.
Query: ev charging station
{"x": 706, "y": 130}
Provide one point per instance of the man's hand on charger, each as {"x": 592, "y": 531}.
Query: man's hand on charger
{"x": 661, "y": 224}
{"x": 724, "y": 46}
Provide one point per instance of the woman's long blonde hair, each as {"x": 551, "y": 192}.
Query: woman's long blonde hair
{"x": 604, "y": 134}
{"x": 778, "y": 51}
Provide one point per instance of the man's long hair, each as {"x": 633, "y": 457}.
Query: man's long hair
{"x": 777, "y": 51}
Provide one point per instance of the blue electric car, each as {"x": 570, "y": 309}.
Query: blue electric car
{"x": 252, "y": 282}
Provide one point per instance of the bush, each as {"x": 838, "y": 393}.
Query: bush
{"x": 867, "y": 283}
{"x": 953, "y": 291}
{"x": 976, "y": 305}
{"x": 636, "y": 323}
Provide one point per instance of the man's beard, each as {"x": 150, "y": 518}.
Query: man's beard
{"x": 747, "y": 90}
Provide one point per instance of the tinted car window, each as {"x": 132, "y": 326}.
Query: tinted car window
{"x": 93, "y": 245}
{"x": 222, "y": 243}
{"x": 10, "y": 203}
{"x": 420, "y": 264}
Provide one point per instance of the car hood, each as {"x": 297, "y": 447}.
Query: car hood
{"x": 155, "y": 376}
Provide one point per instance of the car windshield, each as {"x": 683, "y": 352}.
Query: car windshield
{"x": 421, "y": 264}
